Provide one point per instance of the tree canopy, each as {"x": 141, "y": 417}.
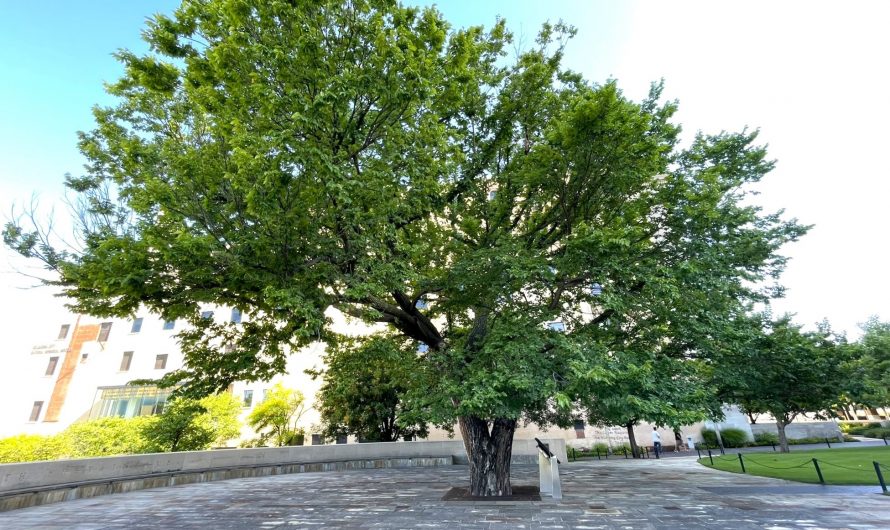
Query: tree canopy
{"x": 286, "y": 158}
{"x": 873, "y": 353}
{"x": 276, "y": 417}
{"x": 784, "y": 371}
{"x": 367, "y": 389}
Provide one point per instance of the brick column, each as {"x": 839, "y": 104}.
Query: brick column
{"x": 80, "y": 335}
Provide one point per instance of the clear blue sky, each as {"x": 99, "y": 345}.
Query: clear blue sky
{"x": 812, "y": 75}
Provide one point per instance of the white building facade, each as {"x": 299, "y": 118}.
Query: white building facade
{"x": 81, "y": 368}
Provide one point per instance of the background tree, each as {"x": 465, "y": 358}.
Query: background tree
{"x": 366, "y": 388}
{"x": 653, "y": 388}
{"x": 784, "y": 371}
{"x": 285, "y": 158}
{"x": 276, "y": 417}
{"x": 873, "y": 352}
{"x": 179, "y": 427}
{"x": 221, "y": 417}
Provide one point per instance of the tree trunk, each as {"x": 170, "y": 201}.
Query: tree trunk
{"x": 783, "y": 440}
{"x": 489, "y": 453}
{"x": 633, "y": 440}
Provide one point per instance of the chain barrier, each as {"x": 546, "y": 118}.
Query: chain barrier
{"x": 752, "y": 460}
{"x": 844, "y": 467}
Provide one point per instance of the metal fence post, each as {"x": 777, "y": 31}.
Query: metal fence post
{"x": 742, "y": 463}
{"x": 598, "y": 454}
{"x": 828, "y": 443}
{"x": 711, "y": 457}
{"x": 625, "y": 452}
{"x": 818, "y": 471}
{"x": 698, "y": 450}
{"x": 880, "y": 477}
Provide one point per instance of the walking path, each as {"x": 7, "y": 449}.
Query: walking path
{"x": 622, "y": 494}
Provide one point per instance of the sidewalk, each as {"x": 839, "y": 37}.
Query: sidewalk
{"x": 617, "y": 494}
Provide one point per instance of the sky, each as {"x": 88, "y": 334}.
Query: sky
{"x": 811, "y": 76}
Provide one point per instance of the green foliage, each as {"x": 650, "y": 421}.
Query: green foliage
{"x": 775, "y": 367}
{"x": 859, "y": 429}
{"x": 621, "y": 449}
{"x": 873, "y": 353}
{"x": 275, "y": 419}
{"x": 364, "y": 156}
{"x": 876, "y": 432}
{"x": 602, "y": 448}
{"x": 766, "y": 438}
{"x": 733, "y": 437}
{"x": 29, "y": 448}
{"x": 366, "y": 389}
{"x": 221, "y": 417}
{"x": 181, "y": 427}
{"x": 185, "y": 425}
{"x": 109, "y": 436}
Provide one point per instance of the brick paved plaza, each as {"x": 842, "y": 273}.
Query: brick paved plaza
{"x": 671, "y": 493}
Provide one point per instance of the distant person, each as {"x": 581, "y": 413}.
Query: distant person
{"x": 656, "y": 441}
{"x": 678, "y": 441}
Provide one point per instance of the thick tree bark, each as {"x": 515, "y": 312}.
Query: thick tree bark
{"x": 489, "y": 452}
{"x": 783, "y": 440}
{"x": 633, "y": 440}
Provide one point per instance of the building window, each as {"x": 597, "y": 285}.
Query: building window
{"x": 83, "y": 358}
{"x": 104, "y": 330}
{"x": 248, "y": 398}
{"x": 316, "y": 439}
{"x": 169, "y": 324}
{"x": 51, "y": 365}
{"x": 63, "y": 331}
{"x": 126, "y": 360}
{"x": 265, "y": 394}
{"x": 341, "y": 439}
{"x": 579, "y": 429}
{"x": 207, "y": 315}
{"x": 236, "y": 315}
{"x": 137, "y": 325}
{"x": 129, "y": 401}
{"x": 161, "y": 361}
{"x": 35, "y": 410}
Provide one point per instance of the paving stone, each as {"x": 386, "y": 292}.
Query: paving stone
{"x": 608, "y": 494}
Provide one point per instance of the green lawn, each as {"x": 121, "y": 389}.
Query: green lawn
{"x": 839, "y": 466}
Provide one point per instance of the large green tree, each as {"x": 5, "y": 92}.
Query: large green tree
{"x": 784, "y": 371}
{"x": 289, "y": 157}
{"x": 873, "y": 353}
{"x": 366, "y": 390}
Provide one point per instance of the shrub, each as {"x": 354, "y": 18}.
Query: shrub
{"x": 733, "y": 437}
{"x": 106, "y": 437}
{"x": 29, "y": 448}
{"x": 877, "y": 432}
{"x": 862, "y": 429}
{"x": 709, "y": 437}
{"x": 621, "y": 448}
{"x": 601, "y": 448}
{"x": 766, "y": 438}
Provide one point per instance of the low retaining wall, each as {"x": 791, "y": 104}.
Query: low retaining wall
{"x": 819, "y": 429}
{"x": 35, "y": 483}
